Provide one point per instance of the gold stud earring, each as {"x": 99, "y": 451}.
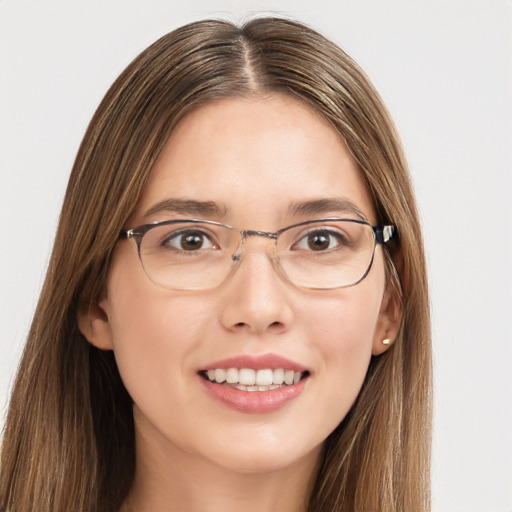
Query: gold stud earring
{"x": 386, "y": 341}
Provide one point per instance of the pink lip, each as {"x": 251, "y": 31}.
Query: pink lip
{"x": 254, "y": 402}
{"x": 259, "y": 362}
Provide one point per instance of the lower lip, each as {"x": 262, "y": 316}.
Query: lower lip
{"x": 253, "y": 402}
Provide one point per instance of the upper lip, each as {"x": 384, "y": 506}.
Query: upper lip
{"x": 256, "y": 362}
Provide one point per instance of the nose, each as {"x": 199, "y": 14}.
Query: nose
{"x": 257, "y": 299}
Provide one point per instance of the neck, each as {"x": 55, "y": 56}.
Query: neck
{"x": 172, "y": 480}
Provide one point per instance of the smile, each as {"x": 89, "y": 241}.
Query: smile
{"x": 249, "y": 379}
{"x": 254, "y": 384}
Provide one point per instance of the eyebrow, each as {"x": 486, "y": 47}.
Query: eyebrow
{"x": 326, "y": 206}
{"x": 187, "y": 207}
{"x": 211, "y": 209}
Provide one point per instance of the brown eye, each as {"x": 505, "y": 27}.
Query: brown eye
{"x": 192, "y": 242}
{"x": 189, "y": 241}
{"x": 321, "y": 240}
{"x": 318, "y": 241}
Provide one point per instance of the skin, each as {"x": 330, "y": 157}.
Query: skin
{"x": 254, "y": 157}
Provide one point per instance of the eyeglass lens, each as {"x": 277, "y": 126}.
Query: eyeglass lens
{"x": 200, "y": 255}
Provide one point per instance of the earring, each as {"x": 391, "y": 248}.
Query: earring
{"x": 386, "y": 341}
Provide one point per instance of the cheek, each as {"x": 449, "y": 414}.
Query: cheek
{"x": 341, "y": 332}
{"x": 153, "y": 334}
{"x": 346, "y": 321}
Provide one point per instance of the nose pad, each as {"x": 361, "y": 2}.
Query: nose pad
{"x": 256, "y": 297}
{"x": 270, "y": 249}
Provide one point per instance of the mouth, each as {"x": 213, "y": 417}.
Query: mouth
{"x": 252, "y": 379}
{"x": 254, "y": 384}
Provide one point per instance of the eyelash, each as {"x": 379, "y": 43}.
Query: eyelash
{"x": 179, "y": 236}
{"x": 175, "y": 240}
{"x": 330, "y": 233}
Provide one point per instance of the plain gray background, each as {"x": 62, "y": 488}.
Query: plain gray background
{"x": 444, "y": 68}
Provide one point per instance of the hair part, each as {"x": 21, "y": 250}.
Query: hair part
{"x": 69, "y": 435}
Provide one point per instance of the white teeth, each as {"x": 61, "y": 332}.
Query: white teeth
{"x": 264, "y": 377}
{"x": 232, "y": 375}
{"x": 220, "y": 375}
{"x": 247, "y": 377}
{"x": 278, "y": 376}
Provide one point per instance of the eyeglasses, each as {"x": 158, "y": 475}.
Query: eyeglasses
{"x": 194, "y": 254}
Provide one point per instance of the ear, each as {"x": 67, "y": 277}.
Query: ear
{"x": 389, "y": 320}
{"x": 94, "y": 324}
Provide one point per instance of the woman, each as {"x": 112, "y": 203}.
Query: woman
{"x": 235, "y": 312}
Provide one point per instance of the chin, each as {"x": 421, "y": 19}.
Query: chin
{"x": 264, "y": 456}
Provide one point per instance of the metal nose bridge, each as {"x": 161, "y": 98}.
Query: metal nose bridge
{"x": 249, "y": 232}
{"x": 245, "y": 233}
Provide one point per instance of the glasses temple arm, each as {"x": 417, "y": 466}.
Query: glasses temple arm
{"x": 384, "y": 233}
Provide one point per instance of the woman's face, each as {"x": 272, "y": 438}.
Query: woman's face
{"x": 255, "y": 160}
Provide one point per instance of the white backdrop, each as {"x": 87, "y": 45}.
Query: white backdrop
{"x": 444, "y": 69}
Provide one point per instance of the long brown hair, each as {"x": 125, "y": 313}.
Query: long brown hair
{"x": 69, "y": 436}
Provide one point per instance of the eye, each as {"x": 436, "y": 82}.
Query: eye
{"x": 189, "y": 240}
{"x": 320, "y": 240}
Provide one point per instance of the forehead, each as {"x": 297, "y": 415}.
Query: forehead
{"x": 255, "y": 159}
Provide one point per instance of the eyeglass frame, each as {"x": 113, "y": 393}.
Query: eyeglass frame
{"x": 382, "y": 235}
